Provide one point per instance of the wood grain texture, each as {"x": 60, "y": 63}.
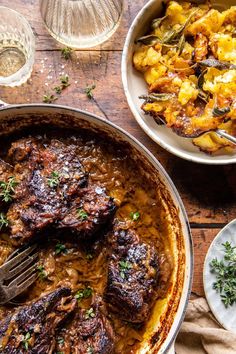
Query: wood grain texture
{"x": 208, "y": 192}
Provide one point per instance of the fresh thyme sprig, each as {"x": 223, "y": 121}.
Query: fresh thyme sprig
{"x": 89, "y": 91}
{"x": 225, "y": 271}
{"x": 124, "y": 267}
{"x": 7, "y": 189}
{"x": 54, "y": 179}
{"x": 84, "y": 293}
{"x": 66, "y": 52}
{"x": 3, "y": 221}
{"x": 49, "y": 98}
{"x": 60, "y": 248}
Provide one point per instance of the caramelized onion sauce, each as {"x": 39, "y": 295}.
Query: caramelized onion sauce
{"x": 84, "y": 264}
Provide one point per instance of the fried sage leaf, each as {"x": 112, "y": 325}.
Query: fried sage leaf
{"x": 214, "y": 63}
{"x": 157, "y": 21}
{"x": 203, "y": 95}
{"x": 150, "y": 39}
{"x": 176, "y": 34}
{"x": 157, "y": 97}
{"x": 218, "y": 112}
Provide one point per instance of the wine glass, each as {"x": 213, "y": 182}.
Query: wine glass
{"x": 81, "y": 23}
{"x": 17, "y": 48}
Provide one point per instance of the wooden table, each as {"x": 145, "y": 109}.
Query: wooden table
{"x": 208, "y": 192}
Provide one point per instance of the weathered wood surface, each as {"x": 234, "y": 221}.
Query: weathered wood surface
{"x": 208, "y": 192}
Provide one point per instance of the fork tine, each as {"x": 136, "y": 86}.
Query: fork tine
{"x": 21, "y": 278}
{"x": 21, "y": 267}
{"x": 17, "y": 258}
{"x": 17, "y": 290}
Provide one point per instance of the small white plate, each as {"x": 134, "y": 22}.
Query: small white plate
{"x": 225, "y": 316}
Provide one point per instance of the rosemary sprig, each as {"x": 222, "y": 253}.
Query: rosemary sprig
{"x": 225, "y": 271}
{"x": 7, "y": 189}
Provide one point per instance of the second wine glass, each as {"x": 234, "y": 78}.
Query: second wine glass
{"x": 81, "y": 23}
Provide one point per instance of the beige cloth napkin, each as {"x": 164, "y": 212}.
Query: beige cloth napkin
{"x": 201, "y": 334}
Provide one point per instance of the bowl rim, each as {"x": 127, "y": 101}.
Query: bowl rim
{"x": 187, "y": 236}
{"x": 136, "y": 114}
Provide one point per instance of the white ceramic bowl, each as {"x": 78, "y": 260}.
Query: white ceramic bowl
{"x": 134, "y": 86}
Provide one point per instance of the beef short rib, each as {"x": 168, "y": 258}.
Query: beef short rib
{"x": 88, "y": 332}
{"x": 32, "y": 328}
{"x": 52, "y": 190}
{"x": 133, "y": 273}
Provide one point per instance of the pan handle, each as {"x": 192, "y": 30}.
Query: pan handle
{"x": 3, "y": 104}
{"x": 172, "y": 349}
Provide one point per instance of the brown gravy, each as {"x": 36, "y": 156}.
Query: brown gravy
{"x": 110, "y": 166}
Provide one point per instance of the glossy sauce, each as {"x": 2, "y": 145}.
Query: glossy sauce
{"x": 85, "y": 264}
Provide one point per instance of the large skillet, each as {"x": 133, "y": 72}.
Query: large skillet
{"x": 161, "y": 330}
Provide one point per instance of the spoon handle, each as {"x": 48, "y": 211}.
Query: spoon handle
{"x": 225, "y": 135}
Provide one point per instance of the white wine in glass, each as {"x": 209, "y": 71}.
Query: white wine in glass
{"x": 81, "y": 23}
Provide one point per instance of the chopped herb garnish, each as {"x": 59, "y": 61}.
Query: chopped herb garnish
{"x": 135, "y": 215}
{"x": 3, "y": 221}
{"x": 89, "y": 313}
{"x": 84, "y": 293}
{"x": 124, "y": 267}
{"x": 58, "y": 89}
{"x": 54, "y": 179}
{"x": 82, "y": 214}
{"x": 7, "y": 189}
{"x": 225, "y": 271}
{"x": 89, "y": 256}
{"x": 49, "y": 98}
{"x": 89, "y": 91}
{"x": 26, "y": 340}
{"x": 42, "y": 272}
{"x": 90, "y": 350}
{"x": 60, "y": 248}
{"x": 60, "y": 340}
{"x": 64, "y": 81}
{"x": 66, "y": 53}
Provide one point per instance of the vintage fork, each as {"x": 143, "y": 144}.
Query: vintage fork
{"x": 18, "y": 273}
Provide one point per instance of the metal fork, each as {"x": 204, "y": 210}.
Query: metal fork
{"x": 18, "y": 273}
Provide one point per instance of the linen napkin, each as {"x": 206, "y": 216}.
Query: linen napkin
{"x": 200, "y": 333}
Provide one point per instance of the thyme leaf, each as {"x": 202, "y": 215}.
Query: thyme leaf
{"x": 89, "y": 91}
{"x": 82, "y": 214}
{"x": 89, "y": 313}
{"x": 225, "y": 271}
{"x": 60, "y": 248}
{"x": 3, "y": 221}
{"x": 84, "y": 293}
{"x": 134, "y": 215}
{"x": 124, "y": 266}
{"x": 7, "y": 189}
{"x": 49, "y": 98}
{"x": 66, "y": 53}
{"x": 54, "y": 179}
